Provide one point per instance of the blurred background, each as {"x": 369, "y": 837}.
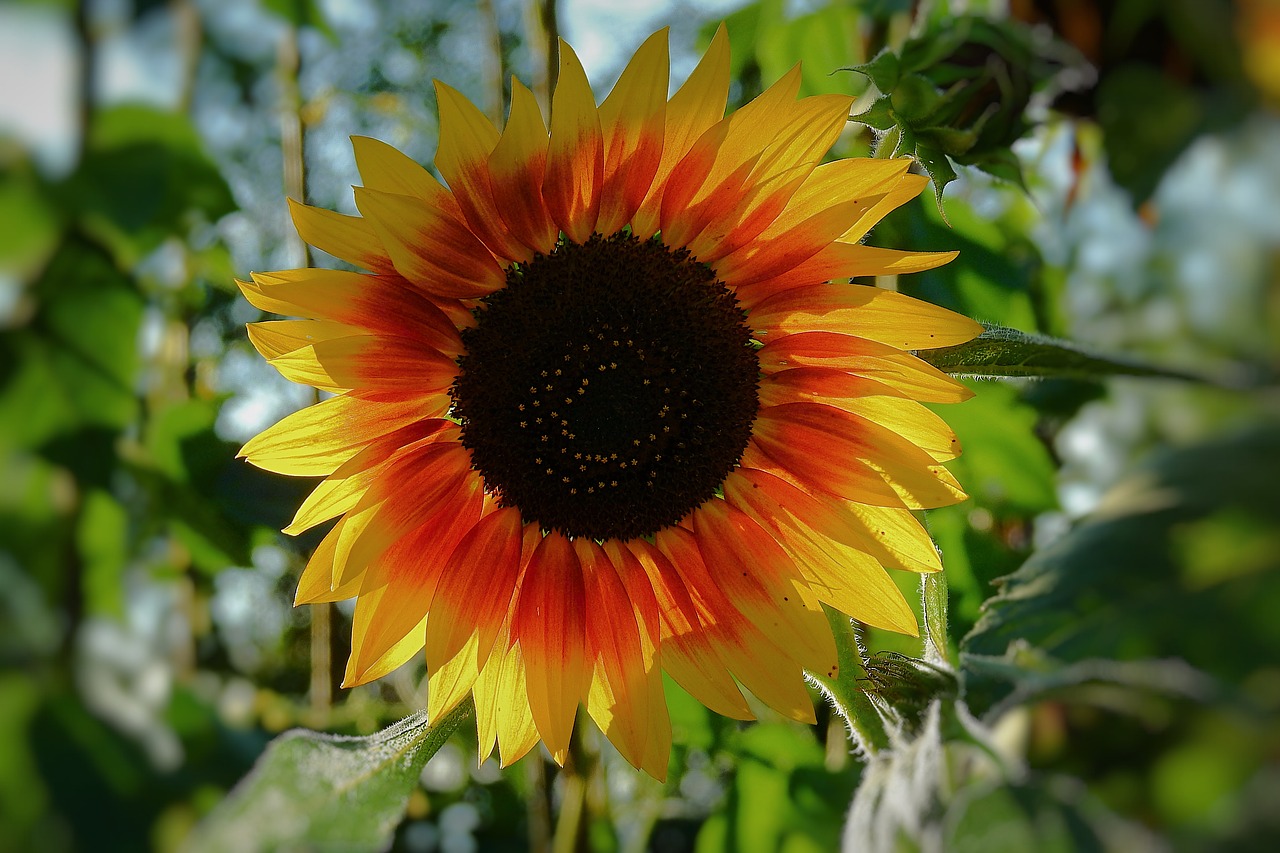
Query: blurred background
{"x": 1123, "y": 192}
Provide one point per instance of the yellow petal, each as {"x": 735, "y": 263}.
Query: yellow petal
{"x": 903, "y": 374}
{"x": 518, "y": 164}
{"x": 502, "y": 704}
{"x": 632, "y": 120}
{"x": 274, "y": 338}
{"x": 867, "y": 399}
{"x": 575, "y": 158}
{"x": 370, "y": 362}
{"x": 866, "y": 312}
{"x": 431, "y": 248}
{"x": 347, "y": 238}
{"x": 379, "y": 303}
{"x": 694, "y": 108}
{"x": 842, "y": 576}
{"x": 316, "y": 583}
{"x": 315, "y": 441}
{"x": 549, "y": 626}
{"x": 385, "y": 169}
{"x": 382, "y": 638}
{"x": 467, "y": 139}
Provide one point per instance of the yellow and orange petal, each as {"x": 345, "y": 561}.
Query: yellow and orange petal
{"x": 535, "y": 619}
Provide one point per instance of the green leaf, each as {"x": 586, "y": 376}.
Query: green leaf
{"x": 302, "y": 13}
{"x": 883, "y": 70}
{"x": 144, "y": 175}
{"x": 102, "y": 538}
{"x": 879, "y": 115}
{"x": 825, "y": 38}
{"x": 781, "y": 796}
{"x": 1181, "y": 561}
{"x": 1002, "y": 352}
{"x": 31, "y": 223}
{"x": 313, "y": 791}
{"x": 914, "y": 98}
{"x": 947, "y": 140}
{"x": 1005, "y": 465}
{"x": 1046, "y": 814}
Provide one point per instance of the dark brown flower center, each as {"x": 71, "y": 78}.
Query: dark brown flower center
{"x": 608, "y": 389}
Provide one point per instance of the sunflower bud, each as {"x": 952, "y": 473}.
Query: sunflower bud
{"x": 962, "y": 95}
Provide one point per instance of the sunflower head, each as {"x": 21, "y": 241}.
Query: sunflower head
{"x": 605, "y": 404}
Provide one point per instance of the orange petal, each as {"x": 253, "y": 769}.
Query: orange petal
{"x": 763, "y": 584}
{"x": 475, "y": 590}
{"x": 619, "y": 696}
{"x": 765, "y": 668}
{"x": 839, "y": 262}
{"x": 698, "y": 105}
{"x": 890, "y": 535}
{"x": 687, "y": 652}
{"x": 633, "y": 120}
{"x": 429, "y": 247}
{"x": 575, "y": 158}
{"x": 770, "y": 257}
{"x": 744, "y": 220}
{"x": 866, "y": 312}
{"x": 840, "y": 574}
{"x": 399, "y": 589}
{"x": 644, "y": 605}
{"x": 341, "y": 491}
{"x": 851, "y": 457}
{"x": 371, "y": 362}
{"x": 902, "y": 373}
{"x": 518, "y": 164}
{"x": 467, "y": 139}
{"x": 379, "y": 303}
{"x": 414, "y": 485}
{"x": 348, "y": 238}
{"x": 549, "y": 626}
{"x": 865, "y": 398}
{"x": 722, "y": 220}
{"x": 318, "y": 439}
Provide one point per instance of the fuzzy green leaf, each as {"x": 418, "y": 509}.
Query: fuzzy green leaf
{"x": 313, "y": 791}
{"x": 1003, "y": 352}
{"x": 883, "y": 70}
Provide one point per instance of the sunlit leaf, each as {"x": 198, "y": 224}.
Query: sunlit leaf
{"x": 1003, "y": 352}
{"x": 781, "y": 797}
{"x": 102, "y": 538}
{"x": 312, "y": 791}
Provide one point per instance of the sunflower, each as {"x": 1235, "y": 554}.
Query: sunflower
{"x": 605, "y": 404}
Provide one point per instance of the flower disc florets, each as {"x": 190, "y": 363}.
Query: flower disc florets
{"x": 608, "y": 389}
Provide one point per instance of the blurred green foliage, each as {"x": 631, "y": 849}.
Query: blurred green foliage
{"x": 1121, "y": 666}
